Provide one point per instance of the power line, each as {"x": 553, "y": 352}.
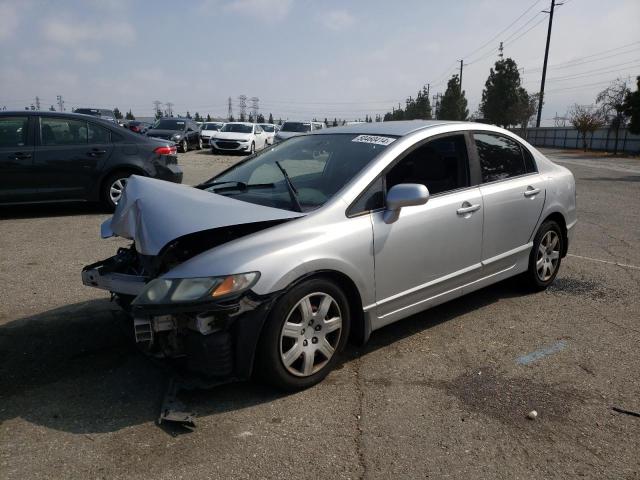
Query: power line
{"x": 602, "y": 70}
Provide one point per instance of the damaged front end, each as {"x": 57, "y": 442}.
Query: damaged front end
{"x": 211, "y": 324}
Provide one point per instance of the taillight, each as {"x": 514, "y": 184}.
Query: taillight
{"x": 166, "y": 150}
{"x": 135, "y": 129}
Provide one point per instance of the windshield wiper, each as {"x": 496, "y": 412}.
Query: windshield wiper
{"x": 235, "y": 185}
{"x": 211, "y": 184}
{"x": 293, "y": 193}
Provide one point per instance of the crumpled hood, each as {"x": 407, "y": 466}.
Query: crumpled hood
{"x": 154, "y": 212}
{"x": 286, "y": 135}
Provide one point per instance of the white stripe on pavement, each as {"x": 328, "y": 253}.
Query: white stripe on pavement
{"x": 623, "y": 265}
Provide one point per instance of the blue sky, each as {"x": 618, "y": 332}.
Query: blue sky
{"x": 302, "y": 58}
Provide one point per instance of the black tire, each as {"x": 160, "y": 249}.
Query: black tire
{"x": 199, "y": 144}
{"x": 253, "y": 148}
{"x": 533, "y": 277}
{"x": 112, "y": 181}
{"x": 269, "y": 365}
{"x": 184, "y": 146}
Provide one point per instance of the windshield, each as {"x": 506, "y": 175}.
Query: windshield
{"x": 318, "y": 166}
{"x": 212, "y": 126}
{"x": 298, "y": 127}
{"x": 267, "y": 127}
{"x": 237, "y": 127}
{"x": 169, "y": 124}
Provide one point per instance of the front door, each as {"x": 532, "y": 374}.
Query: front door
{"x": 430, "y": 250}
{"x": 17, "y": 179}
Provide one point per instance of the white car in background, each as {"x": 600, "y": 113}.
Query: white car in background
{"x": 293, "y": 129}
{"x": 208, "y": 130}
{"x": 270, "y": 130}
{"x": 239, "y": 137}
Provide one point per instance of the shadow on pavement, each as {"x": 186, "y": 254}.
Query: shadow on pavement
{"x": 76, "y": 369}
{"x": 62, "y": 209}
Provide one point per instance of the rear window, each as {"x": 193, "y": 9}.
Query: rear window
{"x": 500, "y": 157}
{"x": 13, "y": 131}
{"x": 297, "y": 127}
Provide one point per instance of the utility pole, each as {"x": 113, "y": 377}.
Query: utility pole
{"x": 243, "y": 107}
{"x": 546, "y": 56}
{"x": 254, "y": 108}
{"x": 461, "y": 76}
{"x": 229, "y": 110}
{"x": 60, "y": 103}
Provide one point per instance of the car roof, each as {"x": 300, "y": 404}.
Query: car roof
{"x": 238, "y": 123}
{"x": 398, "y": 128}
{"x": 47, "y": 113}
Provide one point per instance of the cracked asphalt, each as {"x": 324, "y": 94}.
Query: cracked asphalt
{"x": 443, "y": 394}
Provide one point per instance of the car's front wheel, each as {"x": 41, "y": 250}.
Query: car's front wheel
{"x": 253, "y": 148}
{"x": 546, "y": 256}
{"x": 184, "y": 146}
{"x": 306, "y": 330}
{"x": 199, "y": 146}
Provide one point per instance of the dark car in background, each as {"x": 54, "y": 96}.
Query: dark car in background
{"x": 103, "y": 113}
{"x": 138, "y": 126}
{"x": 54, "y": 156}
{"x": 184, "y": 132}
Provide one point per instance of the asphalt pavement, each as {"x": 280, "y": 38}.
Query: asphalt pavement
{"x": 443, "y": 394}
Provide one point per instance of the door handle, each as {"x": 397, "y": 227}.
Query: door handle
{"x": 531, "y": 191}
{"x": 21, "y": 156}
{"x": 467, "y": 208}
{"x": 96, "y": 152}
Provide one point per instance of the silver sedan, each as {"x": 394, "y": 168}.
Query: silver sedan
{"x": 272, "y": 265}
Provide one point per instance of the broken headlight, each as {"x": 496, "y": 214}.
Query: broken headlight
{"x": 184, "y": 290}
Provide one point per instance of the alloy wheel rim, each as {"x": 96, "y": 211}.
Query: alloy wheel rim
{"x": 184, "y": 146}
{"x": 310, "y": 334}
{"x": 548, "y": 256}
{"x": 117, "y": 187}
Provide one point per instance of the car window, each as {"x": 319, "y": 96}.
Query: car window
{"x": 441, "y": 165}
{"x": 62, "y": 131}
{"x": 371, "y": 199}
{"x": 13, "y": 131}
{"x": 98, "y": 134}
{"x": 500, "y": 157}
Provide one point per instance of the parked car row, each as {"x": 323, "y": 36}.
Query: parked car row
{"x": 57, "y": 156}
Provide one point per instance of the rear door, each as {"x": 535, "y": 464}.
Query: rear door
{"x": 17, "y": 179}
{"x": 70, "y": 156}
{"x": 513, "y": 193}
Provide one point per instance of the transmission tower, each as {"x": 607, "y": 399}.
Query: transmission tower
{"x": 254, "y": 108}
{"x": 37, "y": 103}
{"x": 156, "y": 107}
{"x": 229, "y": 111}
{"x": 500, "y": 49}
{"x": 169, "y": 109}
{"x": 243, "y": 106}
{"x": 60, "y": 103}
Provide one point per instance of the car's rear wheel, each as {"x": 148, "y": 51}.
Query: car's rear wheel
{"x": 306, "y": 330}
{"x": 113, "y": 187}
{"x": 184, "y": 146}
{"x": 546, "y": 256}
{"x": 199, "y": 147}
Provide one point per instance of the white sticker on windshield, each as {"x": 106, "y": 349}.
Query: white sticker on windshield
{"x": 374, "y": 139}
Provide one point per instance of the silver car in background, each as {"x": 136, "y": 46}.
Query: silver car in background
{"x": 293, "y": 129}
{"x": 272, "y": 265}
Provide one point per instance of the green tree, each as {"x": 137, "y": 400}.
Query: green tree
{"x": 632, "y": 108}
{"x": 129, "y": 115}
{"x": 117, "y": 113}
{"x": 503, "y": 97}
{"x": 611, "y": 100}
{"x": 270, "y": 118}
{"x": 52, "y": 108}
{"x": 527, "y": 109}
{"x": 188, "y": 115}
{"x": 260, "y": 118}
{"x": 335, "y": 122}
{"x": 158, "y": 114}
{"x": 453, "y": 105}
{"x": 243, "y": 118}
{"x": 232, "y": 119}
{"x": 208, "y": 117}
{"x": 197, "y": 117}
{"x": 279, "y": 121}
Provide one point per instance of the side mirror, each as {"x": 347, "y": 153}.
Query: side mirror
{"x": 404, "y": 195}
